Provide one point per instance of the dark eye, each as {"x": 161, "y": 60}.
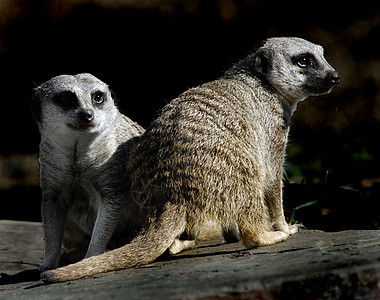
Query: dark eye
{"x": 305, "y": 61}
{"x": 98, "y": 98}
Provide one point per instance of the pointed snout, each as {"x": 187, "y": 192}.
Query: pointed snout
{"x": 334, "y": 78}
{"x": 86, "y": 115}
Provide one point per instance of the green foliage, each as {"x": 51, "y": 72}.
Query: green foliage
{"x": 362, "y": 156}
{"x": 306, "y": 204}
{"x": 292, "y": 219}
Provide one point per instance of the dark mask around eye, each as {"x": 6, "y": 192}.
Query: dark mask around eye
{"x": 66, "y": 100}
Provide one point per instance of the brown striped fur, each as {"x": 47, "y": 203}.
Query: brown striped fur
{"x": 216, "y": 154}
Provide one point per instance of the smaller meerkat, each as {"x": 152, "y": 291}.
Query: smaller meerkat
{"x": 84, "y": 148}
{"x": 216, "y": 153}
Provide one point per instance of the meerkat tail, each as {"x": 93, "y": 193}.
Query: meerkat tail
{"x": 143, "y": 249}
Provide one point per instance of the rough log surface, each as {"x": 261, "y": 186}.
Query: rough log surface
{"x": 309, "y": 265}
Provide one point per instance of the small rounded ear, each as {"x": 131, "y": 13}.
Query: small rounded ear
{"x": 36, "y": 107}
{"x": 262, "y": 61}
{"x": 113, "y": 96}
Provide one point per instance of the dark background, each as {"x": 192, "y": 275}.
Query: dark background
{"x": 151, "y": 51}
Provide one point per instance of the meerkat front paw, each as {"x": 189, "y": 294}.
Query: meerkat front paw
{"x": 295, "y": 228}
{"x": 287, "y": 228}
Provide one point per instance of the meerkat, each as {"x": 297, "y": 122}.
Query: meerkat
{"x": 216, "y": 153}
{"x": 85, "y": 143}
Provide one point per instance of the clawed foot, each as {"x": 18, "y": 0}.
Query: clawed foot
{"x": 287, "y": 228}
{"x": 266, "y": 238}
{"x": 296, "y": 228}
{"x": 181, "y": 245}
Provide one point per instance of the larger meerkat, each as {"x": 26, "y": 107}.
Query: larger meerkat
{"x": 85, "y": 143}
{"x": 216, "y": 153}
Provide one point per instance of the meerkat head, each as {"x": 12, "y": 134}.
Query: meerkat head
{"x": 73, "y": 103}
{"x": 295, "y": 68}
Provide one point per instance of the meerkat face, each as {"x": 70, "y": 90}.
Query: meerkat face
{"x": 295, "y": 68}
{"x": 73, "y": 104}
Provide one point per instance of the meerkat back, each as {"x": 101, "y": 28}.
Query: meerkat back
{"x": 217, "y": 151}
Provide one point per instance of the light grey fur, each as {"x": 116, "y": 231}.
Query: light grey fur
{"x": 216, "y": 154}
{"x": 83, "y": 155}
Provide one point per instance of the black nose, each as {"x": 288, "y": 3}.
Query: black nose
{"x": 86, "y": 115}
{"x": 334, "y": 78}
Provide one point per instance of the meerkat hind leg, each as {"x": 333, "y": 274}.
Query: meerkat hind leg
{"x": 181, "y": 245}
{"x": 230, "y": 233}
{"x": 253, "y": 234}
{"x": 187, "y": 240}
{"x": 250, "y": 239}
